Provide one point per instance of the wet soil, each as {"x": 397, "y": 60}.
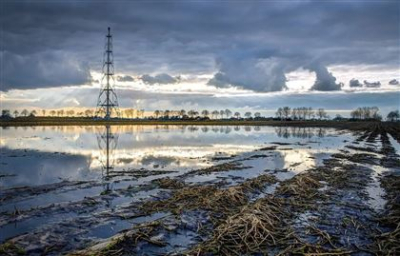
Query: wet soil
{"x": 347, "y": 204}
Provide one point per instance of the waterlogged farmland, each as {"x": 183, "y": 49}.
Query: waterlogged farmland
{"x": 232, "y": 190}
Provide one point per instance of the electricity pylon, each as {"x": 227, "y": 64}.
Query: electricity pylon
{"x": 107, "y": 103}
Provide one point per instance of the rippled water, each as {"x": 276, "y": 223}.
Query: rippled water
{"x": 45, "y": 170}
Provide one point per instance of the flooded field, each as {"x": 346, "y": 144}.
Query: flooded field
{"x": 196, "y": 190}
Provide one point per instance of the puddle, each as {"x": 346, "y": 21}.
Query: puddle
{"x": 120, "y": 164}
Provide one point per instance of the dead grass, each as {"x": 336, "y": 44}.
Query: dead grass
{"x": 211, "y": 198}
{"x": 220, "y": 168}
{"x": 259, "y": 182}
{"x": 9, "y": 248}
{"x": 252, "y": 230}
{"x": 168, "y": 183}
{"x": 308, "y": 249}
{"x": 200, "y": 197}
{"x": 388, "y": 243}
{"x": 304, "y": 186}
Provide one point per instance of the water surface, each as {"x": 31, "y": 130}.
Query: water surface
{"x": 52, "y": 177}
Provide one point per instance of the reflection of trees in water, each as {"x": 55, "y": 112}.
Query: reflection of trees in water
{"x": 107, "y": 142}
{"x": 226, "y": 129}
{"x": 193, "y": 128}
{"x": 151, "y": 128}
{"x": 205, "y": 129}
{"x": 215, "y": 129}
{"x": 299, "y": 132}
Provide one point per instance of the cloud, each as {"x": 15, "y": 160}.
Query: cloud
{"x": 41, "y": 70}
{"x": 125, "y": 78}
{"x": 261, "y": 75}
{"x": 394, "y": 82}
{"x": 159, "y": 79}
{"x": 196, "y": 38}
{"x": 372, "y": 84}
{"x": 355, "y": 83}
{"x": 325, "y": 81}
{"x": 150, "y": 101}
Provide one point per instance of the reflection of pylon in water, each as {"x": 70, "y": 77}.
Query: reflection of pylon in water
{"x": 107, "y": 142}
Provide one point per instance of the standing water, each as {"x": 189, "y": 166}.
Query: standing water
{"x": 70, "y": 187}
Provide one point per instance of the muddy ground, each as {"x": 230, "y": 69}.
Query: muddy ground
{"x": 349, "y": 204}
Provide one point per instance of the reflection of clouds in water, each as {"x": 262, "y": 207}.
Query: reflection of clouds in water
{"x": 34, "y": 168}
{"x": 176, "y": 147}
{"x": 72, "y": 131}
{"x": 298, "y": 160}
{"x": 159, "y": 160}
{"x": 83, "y": 141}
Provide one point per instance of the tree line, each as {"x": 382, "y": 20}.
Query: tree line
{"x": 206, "y": 114}
{"x": 301, "y": 113}
{"x": 282, "y": 113}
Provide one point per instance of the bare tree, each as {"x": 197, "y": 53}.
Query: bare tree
{"x": 228, "y": 113}
{"x": 295, "y": 113}
{"x": 24, "y": 112}
{"x": 310, "y": 113}
{"x": 279, "y": 113}
{"x": 70, "y": 112}
{"x": 6, "y": 113}
{"x": 366, "y": 113}
{"x": 257, "y": 114}
{"x": 140, "y": 113}
{"x": 222, "y": 113}
{"x": 88, "y": 112}
{"x": 205, "y": 113}
{"x": 157, "y": 113}
{"x": 191, "y": 113}
{"x": 16, "y": 113}
{"x": 182, "y": 112}
{"x": 374, "y": 112}
{"x": 167, "y": 113}
{"x": 286, "y": 112}
{"x": 321, "y": 113}
{"x": 393, "y": 116}
{"x": 303, "y": 112}
{"x": 237, "y": 115}
{"x": 247, "y": 114}
{"x": 215, "y": 113}
{"x": 356, "y": 114}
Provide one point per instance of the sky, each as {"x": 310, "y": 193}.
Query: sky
{"x": 242, "y": 55}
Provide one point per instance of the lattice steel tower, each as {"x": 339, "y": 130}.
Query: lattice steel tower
{"x": 107, "y": 103}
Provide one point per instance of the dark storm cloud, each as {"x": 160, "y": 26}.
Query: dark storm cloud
{"x": 249, "y": 45}
{"x": 125, "y": 78}
{"x": 394, "y": 82}
{"x": 372, "y": 84}
{"x": 355, "y": 83}
{"x": 47, "y": 69}
{"x": 159, "y": 79}
{"x": 325, "y": 81}
{"x": 263, "y": 74}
